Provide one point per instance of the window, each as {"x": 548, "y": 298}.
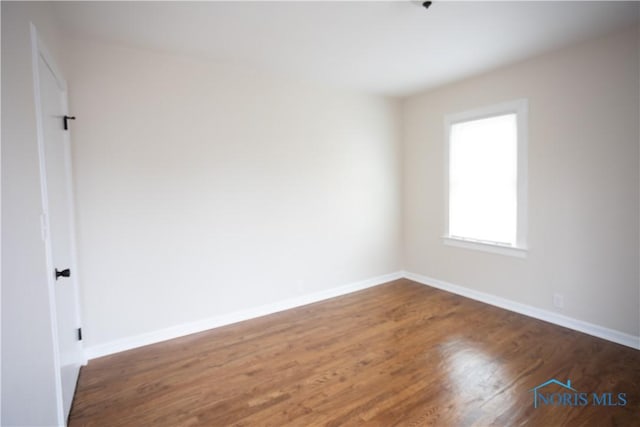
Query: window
{"x": 486, "y": 178}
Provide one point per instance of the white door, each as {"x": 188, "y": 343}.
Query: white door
{"x": 58, "y": 218}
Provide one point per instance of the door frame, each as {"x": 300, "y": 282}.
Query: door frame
{"x": 39, "y": 50}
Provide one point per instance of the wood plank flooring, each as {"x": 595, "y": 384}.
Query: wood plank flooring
{"x": 398, "y": 354}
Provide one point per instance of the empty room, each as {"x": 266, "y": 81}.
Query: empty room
{"x": 330, "y": 213}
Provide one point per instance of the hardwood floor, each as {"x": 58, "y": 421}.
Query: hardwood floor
{"x": 397, "y": 354}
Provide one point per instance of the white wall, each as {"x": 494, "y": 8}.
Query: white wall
{"x": 28, "y": 372}
{"x": 583, "y": 183}
{"x": 204, "y": 189}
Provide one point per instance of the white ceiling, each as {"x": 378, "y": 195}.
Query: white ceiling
{"x": 392, "y": 48}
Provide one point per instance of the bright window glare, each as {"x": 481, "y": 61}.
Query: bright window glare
{"x": 483, "y": 179}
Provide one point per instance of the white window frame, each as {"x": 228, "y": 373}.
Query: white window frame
{"x": 520, "y": 108}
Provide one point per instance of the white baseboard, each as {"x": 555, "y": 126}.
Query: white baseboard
{"x": 538, "y": 313}
{"x": 252, "y": 313}
{"x": 226, "y": 319}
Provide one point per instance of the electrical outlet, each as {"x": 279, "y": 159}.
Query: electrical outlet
{"x": 558, "y": 300}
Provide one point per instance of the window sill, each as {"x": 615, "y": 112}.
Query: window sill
{"x": 485, "y": 247}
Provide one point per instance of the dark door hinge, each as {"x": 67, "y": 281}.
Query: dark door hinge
{"x": 79, "y": 334}
{"x": 67, "y": 118}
